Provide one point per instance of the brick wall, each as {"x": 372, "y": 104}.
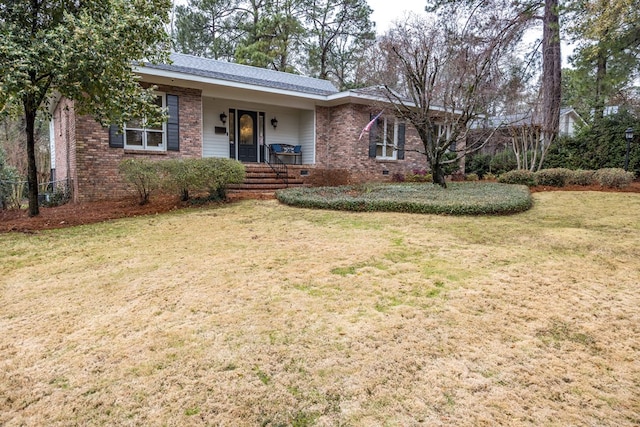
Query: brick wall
{"x": 97, "y": 163}
{"x": 64, "y": 127}
{"x": 339, "y": 149}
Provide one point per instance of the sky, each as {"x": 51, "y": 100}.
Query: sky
{"x": 385, "y": 12}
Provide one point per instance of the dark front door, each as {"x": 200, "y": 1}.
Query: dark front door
{"x": 247, "y": 136}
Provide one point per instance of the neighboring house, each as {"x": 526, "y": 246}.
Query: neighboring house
{"x": 522, "y": 126}
{"x": 221, "y": 109}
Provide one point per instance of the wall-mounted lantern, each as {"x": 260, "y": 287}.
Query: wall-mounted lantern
{"x": 223, "y": 118}
{"x": 274, "y": 122}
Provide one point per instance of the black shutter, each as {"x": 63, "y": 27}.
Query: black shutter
{"x": 116, "y": 138}
{"x": 173, "y": 124}
{"x": 373, "y": 136}
{"x": 401, "y": 132}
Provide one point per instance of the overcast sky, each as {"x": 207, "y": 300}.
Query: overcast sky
{"x": 387, "y": 11}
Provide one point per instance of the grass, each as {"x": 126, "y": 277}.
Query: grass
{"x": 257, "y": 313}
{"x": 457, "y": 199}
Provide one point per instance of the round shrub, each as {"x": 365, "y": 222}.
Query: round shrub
{"x": 554, "y": 177}
{"x": 471, "y": 177}
{"x": 614, "y": 177}
{"x": 521, "y": 177}
{"x": 581, "y": 177}
{"x": 143, "y": 175}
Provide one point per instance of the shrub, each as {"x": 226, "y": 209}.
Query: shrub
{"x": 220, "y": 172}
{"x": 522, "y": 177}
{"x": 489, "y": 177}
{"x": 554, "y": 177}
{"x": 456, "y": 199}
{"x": 398, "y": 177}
{"x": 581, "y": 177}
{"x": 503, "y": 161}
{"x": 471, "y": 177}
{"x": 419, "y": 175}
{"x": 212, "y": 175}
{"x": 614, "y": 177}
{"x": 479, "y": 164}
{"x": 143, "y": 175}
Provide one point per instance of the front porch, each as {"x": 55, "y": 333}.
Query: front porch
{"x": 245, "y": 131}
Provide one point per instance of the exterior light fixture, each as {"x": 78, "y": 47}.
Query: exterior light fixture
{"x": 274, "y": 122}
{"x": 223, "y": 118}
{"x": 628, "y": 135}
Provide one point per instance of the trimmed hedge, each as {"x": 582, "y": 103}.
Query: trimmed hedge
{"x": 614, "y": 177}
{"x": 471, "y": 198}
{"x": 182, "y": 176}
{"x": 560, "y": 177}
{"x": 554, "y": 177}
{"x": 520, "y": 177}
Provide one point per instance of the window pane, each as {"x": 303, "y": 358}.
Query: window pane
{"x": 246, "y": 130}
{"x": 134, "y": 124}
{"x": 134, "y": 138}
{"x": 232, "y": 127}
{"x": 154, "y": 139}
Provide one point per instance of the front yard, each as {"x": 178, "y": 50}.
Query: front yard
{"x": 256, "y": 313}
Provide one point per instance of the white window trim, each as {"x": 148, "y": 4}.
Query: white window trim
{"x": 144, "y": 131}
{"x": 384, "y": 144}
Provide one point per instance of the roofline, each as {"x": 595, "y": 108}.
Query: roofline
{"x": 177, "y": 75}
{"x": 331, "y": 99}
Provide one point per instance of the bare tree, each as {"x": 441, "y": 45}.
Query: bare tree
{"x": 449, "y": 72}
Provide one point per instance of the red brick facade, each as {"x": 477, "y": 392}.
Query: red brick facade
{"x": 84, "y": 156}
{"x": 94, "y": 165}
{"x": 338, "y": 147}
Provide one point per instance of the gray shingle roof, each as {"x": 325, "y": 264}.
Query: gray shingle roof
{"x": 237, "y": 73}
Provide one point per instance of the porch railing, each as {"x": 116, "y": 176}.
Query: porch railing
{"x": 277, "y": 165}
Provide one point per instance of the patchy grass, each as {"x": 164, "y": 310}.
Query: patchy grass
{"x": 457, "y": 199}
{"x": 260, "y": 314}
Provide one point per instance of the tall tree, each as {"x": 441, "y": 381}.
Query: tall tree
{"x": 527, "y": 12}
{"x": 272, "y": 30}
{"x": 607, "y": 55}
{"x": 84, "y": 50}
{"x": 451, "y": 71}
{"x": 207, "y": 28}
{"x": 337, "y": 29}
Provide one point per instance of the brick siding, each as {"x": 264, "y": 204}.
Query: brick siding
{"x": 339, "y": 149}
{"x": 97, "y": 175}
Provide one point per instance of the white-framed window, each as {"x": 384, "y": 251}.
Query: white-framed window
{"x": 387, "y": 138}
{"x": 140, "y": 136}
{"x": 442, "y": 133}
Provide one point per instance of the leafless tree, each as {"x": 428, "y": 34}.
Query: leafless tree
{"x": 449, "y": 71}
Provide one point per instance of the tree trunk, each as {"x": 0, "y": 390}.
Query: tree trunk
{"x": 551, "y": 75}
{"x": 438, "y": 174}
{"x": 32, "y": 172}
{"x": 601, "y": 75}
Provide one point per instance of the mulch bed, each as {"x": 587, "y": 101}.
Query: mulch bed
{"x": 73, "y": 214}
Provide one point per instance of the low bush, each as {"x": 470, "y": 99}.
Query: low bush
{"x": 457, "y": 199}
{"x": 212, "y": 175}
{"x": 220, "y": 173}
{"x": 471, "y": 177}
{"x": 581, "y": 177}
{"x": 143, "y": 175}
{"x": 613, "y": 177}
{"x": 554, "y": 177}
{"x": 521, "y": 177}
{"x": 419, "y": 175}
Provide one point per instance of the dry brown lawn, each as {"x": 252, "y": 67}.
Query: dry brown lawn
{"x": 260, "y": 314}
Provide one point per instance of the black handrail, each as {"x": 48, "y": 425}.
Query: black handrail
{"x": 277, "y": 165}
